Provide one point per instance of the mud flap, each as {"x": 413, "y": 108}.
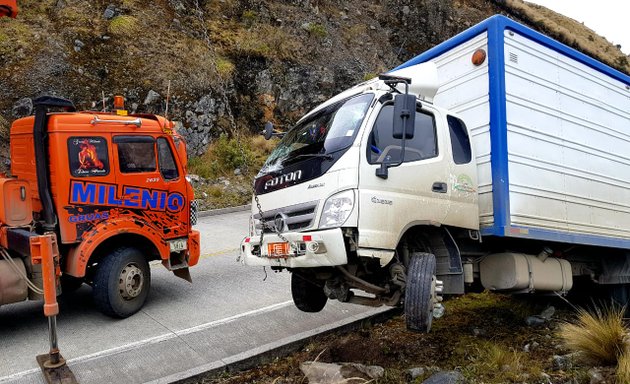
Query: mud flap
{"x": 183, "y": 273}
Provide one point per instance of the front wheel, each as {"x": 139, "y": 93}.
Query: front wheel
{"x": 121, "y": 282}
{"x": 420, "y": 292}
{"x": 307, "y": 296}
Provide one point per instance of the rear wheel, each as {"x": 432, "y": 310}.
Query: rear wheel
{"x": 121, "y": 282}
{"x": 307, "y": 296}
{"x": 420, "y": 292}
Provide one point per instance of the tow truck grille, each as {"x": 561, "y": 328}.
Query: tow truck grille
{"x": 297, "y": 217}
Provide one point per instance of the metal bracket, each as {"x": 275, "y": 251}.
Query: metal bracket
{"x": 137, "y": 122}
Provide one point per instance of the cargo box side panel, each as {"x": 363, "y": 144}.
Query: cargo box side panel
{"x": 568, "y": 145}
{"x": 464, "y": 90}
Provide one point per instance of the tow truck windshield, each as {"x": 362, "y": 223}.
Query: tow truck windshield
{"x": 327, "y": 131}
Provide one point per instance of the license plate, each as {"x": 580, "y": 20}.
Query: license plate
{"x": 178, "y": 245}
{"x": 278, "y": 250}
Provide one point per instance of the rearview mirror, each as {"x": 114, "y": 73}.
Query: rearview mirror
{"x": 404, "y": 116}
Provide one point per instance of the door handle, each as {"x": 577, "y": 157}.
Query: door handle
{"x": 440, "y": 187}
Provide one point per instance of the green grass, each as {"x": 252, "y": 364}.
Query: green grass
{"x": 123, "y": 26}
{"x": 317, "y": 30}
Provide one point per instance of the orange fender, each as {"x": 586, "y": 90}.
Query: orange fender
{"x": 79, "y": 256}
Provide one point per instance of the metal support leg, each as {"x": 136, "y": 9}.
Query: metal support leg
{"x": 44, "y": 251}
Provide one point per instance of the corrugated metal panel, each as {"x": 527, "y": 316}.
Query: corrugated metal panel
{"x": 568, "y": 143}
{"x": 464, "y": 90}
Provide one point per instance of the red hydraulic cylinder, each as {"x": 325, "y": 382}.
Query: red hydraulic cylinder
{"x": 44, "y": 251}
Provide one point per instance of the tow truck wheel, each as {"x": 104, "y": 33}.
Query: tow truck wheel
{"x": 420, "y": 292}
{"x": 122, "y": 282}
{"x": 307, "y": 296}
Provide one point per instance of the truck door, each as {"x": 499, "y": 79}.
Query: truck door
{"x": 414, "y": 193}
{"x": 151, "y": 183}
{"x": 464, "y": 212}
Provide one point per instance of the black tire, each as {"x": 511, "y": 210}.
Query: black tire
{"x": 70, "y": 284}
{"x": 127, "y": 267}
{"x": 418, "y": 292}
{"x": 307, "y": 296}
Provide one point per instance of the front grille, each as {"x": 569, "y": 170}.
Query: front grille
{"x": 194, "y": 207}
{"x": 297, "y": 217}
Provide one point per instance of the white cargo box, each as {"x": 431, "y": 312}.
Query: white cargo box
{"x": 551, "y": 131}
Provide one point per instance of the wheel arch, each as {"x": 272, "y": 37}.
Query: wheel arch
{"x": 439, "y": 241}
{"x": 98, "y": 241}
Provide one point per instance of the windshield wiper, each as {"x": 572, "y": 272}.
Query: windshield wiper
{"x": 322, "y": 155}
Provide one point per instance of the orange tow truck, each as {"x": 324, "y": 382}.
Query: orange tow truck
{"x": 92, "y": 198}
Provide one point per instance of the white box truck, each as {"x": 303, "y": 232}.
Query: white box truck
{"x": 498, "y": 158}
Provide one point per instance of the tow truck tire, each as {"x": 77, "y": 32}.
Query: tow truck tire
{"x": 307, "y": 296}
{"x": 122, "y": 282}
{"x": 419, "y": 292}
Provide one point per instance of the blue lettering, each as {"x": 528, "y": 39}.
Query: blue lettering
{"x": 131, "y": 197}
{"x": 111, "y": 196}
{"x": 83, "y": 193}
{"x": 150, "y": 199}
{"x": 101, "y": 194}
{"x": 175, "y": 202}
{"x": 162, "y": 201}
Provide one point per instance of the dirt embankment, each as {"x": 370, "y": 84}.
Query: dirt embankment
{"x": 484, "y": 337}
{"x": 233, "y": 64}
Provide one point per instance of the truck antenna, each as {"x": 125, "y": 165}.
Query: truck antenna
{"x": 103, "y": 92}
{"x": 168, "y": 95}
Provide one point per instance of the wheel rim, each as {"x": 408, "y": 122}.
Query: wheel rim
{"x": 130, "y": 281}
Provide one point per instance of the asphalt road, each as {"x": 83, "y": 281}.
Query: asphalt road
{"x": 228, "y": 313}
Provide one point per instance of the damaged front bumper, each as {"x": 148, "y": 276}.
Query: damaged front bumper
{"x": 304, "y": 249}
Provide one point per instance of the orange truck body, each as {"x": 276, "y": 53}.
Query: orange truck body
{"x": 115, "y": 181}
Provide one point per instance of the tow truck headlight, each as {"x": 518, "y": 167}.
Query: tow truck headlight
{"x": 337, "y": 209}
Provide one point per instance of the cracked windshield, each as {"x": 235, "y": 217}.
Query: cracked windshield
{"x": 327, "y": 131}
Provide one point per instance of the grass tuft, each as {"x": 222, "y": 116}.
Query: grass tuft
{"x": 623, "y": 368}
{"x": 123, "y": 26}
{"x": 599, "y": 336}
{"x": 317, "y": 30}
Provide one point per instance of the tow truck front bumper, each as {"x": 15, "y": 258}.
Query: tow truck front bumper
{"x": 306, "y": 249}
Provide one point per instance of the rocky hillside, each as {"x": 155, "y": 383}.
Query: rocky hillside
{"x": 232, "y": 64}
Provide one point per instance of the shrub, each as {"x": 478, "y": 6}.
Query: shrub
{"x": 317, "y": 30}
{"x": 123, "y": 26}
{"x": 225, "y": 67}
{"x": 249, "y": 17}
{"x": 598, "y": 336}
{"x": 223, "y": 156}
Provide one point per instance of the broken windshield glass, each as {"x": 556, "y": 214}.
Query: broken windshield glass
{"x": 326, "y": 131}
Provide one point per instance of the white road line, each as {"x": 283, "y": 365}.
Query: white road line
{"x": 156, "y": 339}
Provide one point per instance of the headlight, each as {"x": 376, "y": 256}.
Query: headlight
{"x": 337, "y": 209}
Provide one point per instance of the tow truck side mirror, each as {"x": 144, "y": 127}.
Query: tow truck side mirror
{"x": 404, "y": 116}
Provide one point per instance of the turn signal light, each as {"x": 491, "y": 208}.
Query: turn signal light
{"x": 479, "y": 57}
